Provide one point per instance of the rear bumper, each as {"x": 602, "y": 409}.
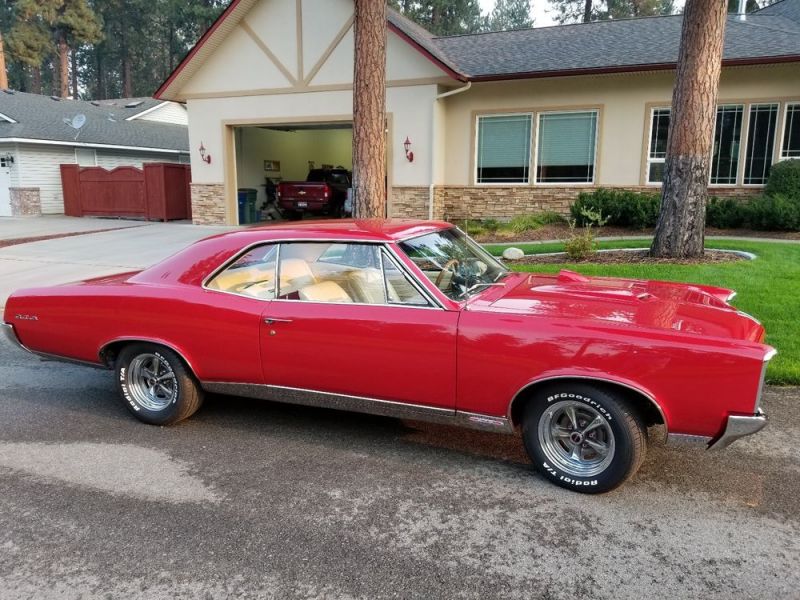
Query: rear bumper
{"x": 737, "y": 427}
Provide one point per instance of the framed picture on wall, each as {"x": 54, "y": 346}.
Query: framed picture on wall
{"x": 272, "y": 165}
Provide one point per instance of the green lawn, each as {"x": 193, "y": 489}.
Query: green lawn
{"x": 768, "y": 288}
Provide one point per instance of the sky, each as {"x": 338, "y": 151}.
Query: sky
{"x": 541, "y": 12}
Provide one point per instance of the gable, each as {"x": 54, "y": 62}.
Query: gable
{"x": 266, "y": 46}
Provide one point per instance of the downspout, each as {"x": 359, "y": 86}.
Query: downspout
{"x": 433, "y": 141}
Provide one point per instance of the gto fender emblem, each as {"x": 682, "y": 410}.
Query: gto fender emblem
{"x": 26, "y": 317}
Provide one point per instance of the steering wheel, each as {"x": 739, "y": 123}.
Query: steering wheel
{"x": 448, "y": 266}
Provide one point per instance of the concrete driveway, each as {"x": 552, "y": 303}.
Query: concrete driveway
{"x": 132, "y": 245}
{"x": 252, "y": 499}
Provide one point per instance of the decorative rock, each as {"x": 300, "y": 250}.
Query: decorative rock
{"x": 513, "y": 254}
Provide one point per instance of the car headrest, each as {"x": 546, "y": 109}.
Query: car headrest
{"x": 327, "y": 291}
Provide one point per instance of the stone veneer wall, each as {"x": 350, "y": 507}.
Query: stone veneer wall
{"x": 409, "y": 203}
{"x": 503, "y": 203}
{"x": 25, "y": 201}
{"x": 208, "y": 204}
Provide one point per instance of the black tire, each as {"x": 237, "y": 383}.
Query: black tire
{"x": 573, "y": 457}
{"x": 178, "y": 398}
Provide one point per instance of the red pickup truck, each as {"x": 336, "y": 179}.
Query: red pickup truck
{"x": 324, "y": 192}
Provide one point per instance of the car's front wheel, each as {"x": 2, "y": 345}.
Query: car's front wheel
{"x": 582, "y": 437}
{"x": 156, "y": 385}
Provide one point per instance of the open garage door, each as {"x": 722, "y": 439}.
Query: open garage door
{"x": 292, "y": 170}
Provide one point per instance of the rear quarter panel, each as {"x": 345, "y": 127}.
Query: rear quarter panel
{"x": 216, "y": 333}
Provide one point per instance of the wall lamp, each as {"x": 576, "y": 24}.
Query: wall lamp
{"x": 407, "y": 147}
{"x": 206, "y": 158}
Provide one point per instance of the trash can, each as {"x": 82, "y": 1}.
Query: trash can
{"x": 247, "y": 205}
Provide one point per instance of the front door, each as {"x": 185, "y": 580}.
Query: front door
{"x": 5, "y": 183}
{"x": 349, "y": 320}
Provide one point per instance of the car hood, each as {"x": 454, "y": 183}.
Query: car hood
{"x": 693, "y": 309}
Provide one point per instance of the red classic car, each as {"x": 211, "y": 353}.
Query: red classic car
{"x": 414, "y": 320}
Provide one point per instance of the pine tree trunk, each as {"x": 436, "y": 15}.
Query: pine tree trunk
{"x": 36, "y": 80}
{"x": 3, "y": 71}
{"x": 127, "y": 81}
{"x": 74, "y": 73}
{"x": 369, "y": 110}
{"x": 587, "y": 11}
{"x": 681, "y": 223}
{"x": 63, "y": 66}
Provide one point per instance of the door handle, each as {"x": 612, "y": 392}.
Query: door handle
{"x": 271, "y": 320}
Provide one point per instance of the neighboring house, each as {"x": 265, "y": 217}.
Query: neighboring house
{"x": 36, "y": 138}
{"x": 498, "y": 123}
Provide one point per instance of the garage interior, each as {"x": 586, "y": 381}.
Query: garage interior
{"x": 268, "y": 154}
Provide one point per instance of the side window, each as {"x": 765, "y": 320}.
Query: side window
{"x": 332, "y": 273}
{"x": 399, "y": 288}
{"x": 251, "y": 275}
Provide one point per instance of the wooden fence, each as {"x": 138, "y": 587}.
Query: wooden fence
{"x": 156, "y": 192}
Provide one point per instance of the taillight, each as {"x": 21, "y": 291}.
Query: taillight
{"x": 326, "y": 191}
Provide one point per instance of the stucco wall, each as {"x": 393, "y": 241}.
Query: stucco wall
{"x": 623, "y": 101}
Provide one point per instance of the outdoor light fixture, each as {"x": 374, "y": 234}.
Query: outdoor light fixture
{"x": 8, "y": 158}
{"x": 409, "y": 153}
{"x": 205, "y": 158}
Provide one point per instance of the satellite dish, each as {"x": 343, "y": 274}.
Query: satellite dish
{"x": 78, "y": 121}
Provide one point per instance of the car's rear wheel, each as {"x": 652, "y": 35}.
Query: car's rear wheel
{"x": 582, "y": 437}
{"x": 156, "y": 385}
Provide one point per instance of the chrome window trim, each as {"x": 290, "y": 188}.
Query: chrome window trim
{"x": 227, "y": 264}
{"x": 432, "y": 303}
{"x": 361, "y": 404}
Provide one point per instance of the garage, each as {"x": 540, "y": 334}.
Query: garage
{"x": 305, "y": 165}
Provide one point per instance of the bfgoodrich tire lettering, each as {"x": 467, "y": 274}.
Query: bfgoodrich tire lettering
{"x": 155, "y": 384}
{"x": 582, "y": 437}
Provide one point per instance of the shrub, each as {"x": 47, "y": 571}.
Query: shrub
{"x": 726, "y": 213}
{"x": 524, "y": 223}
{"x": 784, "y": 180}
{"x": 580, "y": 245}
{"x": 773, "y": 213}
{"x": 621, "y": 207}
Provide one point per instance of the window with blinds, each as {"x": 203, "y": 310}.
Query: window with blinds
{"x": 657, "y": 152}
{"x": 790, "y": 148}
{"x": 565, "y": 151}
{"x": 504, "y": 148}
{"x": 760, "y": 143}
{"x": 727, "y": 139}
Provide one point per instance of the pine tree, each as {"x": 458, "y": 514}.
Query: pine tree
{"x": 575, "y": 11}
{"x": 443, "y": 17}
{"x": 510, "y": 14}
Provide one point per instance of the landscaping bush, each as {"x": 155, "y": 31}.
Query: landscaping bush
{"x": 784, "y": 180}
{"x": 726, "y": 213}
{"x": 773, "y": 213}
{"x": 524, "y": 223}
{"x": 621, "y": 207}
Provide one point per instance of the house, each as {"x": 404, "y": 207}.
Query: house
{"x": 497, "y": 124}
{"x": 39, "y": 133}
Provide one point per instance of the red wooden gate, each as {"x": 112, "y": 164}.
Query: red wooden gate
{"x": 158, "y": 191}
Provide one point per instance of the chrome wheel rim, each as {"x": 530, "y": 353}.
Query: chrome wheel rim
{"x": 576, "y": 438}
{"x": 151, "y": 382}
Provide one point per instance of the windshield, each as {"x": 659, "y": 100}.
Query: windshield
{"x": 454, "y": 263}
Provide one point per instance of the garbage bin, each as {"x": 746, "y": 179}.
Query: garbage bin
{"x": 247, "y": 205}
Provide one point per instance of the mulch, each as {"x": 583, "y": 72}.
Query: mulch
{"x": 627, "y": 257}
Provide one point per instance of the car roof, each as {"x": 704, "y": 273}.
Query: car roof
{"x": 377, "y": 230}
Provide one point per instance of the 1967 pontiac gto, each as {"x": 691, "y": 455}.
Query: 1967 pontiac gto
{"x": 414, "y": 320}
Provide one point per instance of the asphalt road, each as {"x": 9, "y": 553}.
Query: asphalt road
{"x": 251, "y": 499}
